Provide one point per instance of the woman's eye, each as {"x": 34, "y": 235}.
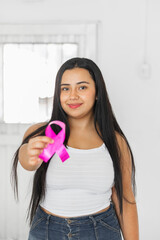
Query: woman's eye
{"x": 83, "y": 87}
{"x": 65, "y": 89}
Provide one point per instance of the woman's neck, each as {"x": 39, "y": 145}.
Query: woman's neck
{"x": 81, "y": 124}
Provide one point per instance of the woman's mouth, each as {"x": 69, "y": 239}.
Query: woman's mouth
{"x": 74, "y": 106}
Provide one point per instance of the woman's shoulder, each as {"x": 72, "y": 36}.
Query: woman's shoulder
{"x": 33, "y": 128}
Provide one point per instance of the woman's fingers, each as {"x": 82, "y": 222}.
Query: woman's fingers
{"x": 36, "y": 146}
{"x": 35, "y": 152}
{"x": 43, "y": 139}
{"x": 35, "y": 161}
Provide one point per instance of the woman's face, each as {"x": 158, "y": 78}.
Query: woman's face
{"x": 77, "y": 87}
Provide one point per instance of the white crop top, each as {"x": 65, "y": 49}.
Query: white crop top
{"x": 81, "y": 185}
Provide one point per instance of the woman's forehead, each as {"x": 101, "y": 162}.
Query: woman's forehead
{"x": 75, "y": 75}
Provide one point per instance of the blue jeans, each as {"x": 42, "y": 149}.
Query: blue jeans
{"x": 100, "y": 226}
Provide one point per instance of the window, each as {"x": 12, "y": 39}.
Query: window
{"x": 30, "y": 56}
{"x": 29, "y": 72}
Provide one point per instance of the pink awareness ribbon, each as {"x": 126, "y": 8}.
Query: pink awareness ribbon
{"x": 57, "y": 146}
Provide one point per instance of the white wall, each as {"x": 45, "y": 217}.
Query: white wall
{"x": 135, "y": 101}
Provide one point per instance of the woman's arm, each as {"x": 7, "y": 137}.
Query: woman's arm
{"x": 129, "y": 225}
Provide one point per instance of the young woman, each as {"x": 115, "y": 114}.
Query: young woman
{"x": 90, "y": 196}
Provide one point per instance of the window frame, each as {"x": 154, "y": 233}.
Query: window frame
{"x": 84, "y": 34}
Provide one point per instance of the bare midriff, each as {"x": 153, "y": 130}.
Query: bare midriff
{"x": 50, "y": 213}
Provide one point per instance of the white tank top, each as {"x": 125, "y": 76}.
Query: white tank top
{"x": 81, "y": 185}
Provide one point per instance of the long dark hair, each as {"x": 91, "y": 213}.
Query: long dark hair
{"x": 108, "y": 125}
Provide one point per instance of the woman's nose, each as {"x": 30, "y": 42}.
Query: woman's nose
{"x": 73, "y": 94}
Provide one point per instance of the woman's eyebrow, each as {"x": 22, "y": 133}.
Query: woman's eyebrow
{"x": 67, "y": 84}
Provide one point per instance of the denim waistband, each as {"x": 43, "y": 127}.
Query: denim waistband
{"x": 76, "y": 220}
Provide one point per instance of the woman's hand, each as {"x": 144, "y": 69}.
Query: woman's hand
{"x": 35, "y": 147}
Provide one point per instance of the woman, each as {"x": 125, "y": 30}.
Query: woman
{"x": 90, "y": 196}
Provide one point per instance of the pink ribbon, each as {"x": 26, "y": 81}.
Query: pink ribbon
{"x": 57, "y": 146}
